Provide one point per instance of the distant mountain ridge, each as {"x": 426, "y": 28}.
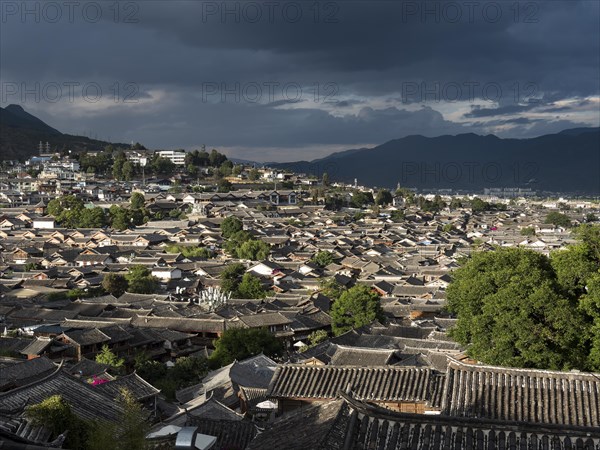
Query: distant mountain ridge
{"x": 21, "y": 133}
{"x": 568, "y": 162}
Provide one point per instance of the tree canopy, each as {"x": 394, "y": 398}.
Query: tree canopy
{"x": 519, "y": 308}
{"x": 114, "y": 284}
{"x": 356, "y": 307}
{"x": 383, "y": 197}
{"x": 322, "y": 258}
{"x": 230, "y": 226}
{"x": 106, "y": 356}
{"x": 141, "y": 281}
{"x": 241, "y": 343}
{"x": 558, "y": 219}
{"x": 253, "y": 250}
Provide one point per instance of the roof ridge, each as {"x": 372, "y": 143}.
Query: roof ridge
{"x": 46, "y": 378}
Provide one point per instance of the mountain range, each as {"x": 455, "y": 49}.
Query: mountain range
{"x": 567, "y": 162}
{"x": 21, "y": 133}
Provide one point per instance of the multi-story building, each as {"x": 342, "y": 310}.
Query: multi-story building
{"x": 177, "y": 157}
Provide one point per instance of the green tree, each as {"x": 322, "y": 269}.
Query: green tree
{"x": 91, "y": 218}
{"x": 231, "y": 225}
{"x": 137, "y": 200}
{"x": 331, "y": 288}
{"x": 224, "y": 186}
{"x": 589, "y": 235}
{"x": 406, "y": 194}
{"x": 384, "y": 197}
{"x": 511, "y": 311}
{"x": 226, "y": 168}
{"x": 573, "y": 267}
{"x": 528, "y": 231}
{"x": 557, "y": 219}
{"x": 162, "y": 166}
{"x": 133, "y": 426}
{"x": 127, "y": 170}
{"x": 231, "y": 276}
{"x": 478, "y": 205}
{"x": 250, "y": 287}
{"x": 30, "y": 266}
{"x": 66, "y": 210}
{"x": 590, "y": 305}
{"x": 456, "y": 203}
{"x": 188, "y": 371}
{"x": 215, "y": 158}
{"x": 114, "y": 284}
{"x": 356, "y": 307}
{"x": 106, "y": 356}
{"x": 151, "y": 371}
{"x": 253, "y": 250}
{"x": 190, "y": 251}
{"x": 141, "y": 281}
{"x": 448, "y": 228}
{"x": 253, "y": 174}
{"x": 117, "y": 168}
{"x": 241, "y": 343}
{"x": 325, "y": 180}
{"x": 360, "y": 198}
{"x": 397, "y": 216}
{"x": 120, "y": 218}
{"x": 322, "y": 258}
{"x": 55, "y": 414}
{"x": 316, "y": 337}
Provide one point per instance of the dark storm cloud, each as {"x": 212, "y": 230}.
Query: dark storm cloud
{"x": 349, "y": 58}
{"x": 479, "y": 111}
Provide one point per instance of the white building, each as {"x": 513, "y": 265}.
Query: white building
{"x": 177, "y": 157}
{"x": 43, "y": 222}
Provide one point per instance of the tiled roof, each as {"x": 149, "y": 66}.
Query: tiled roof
{"x": 353, "y": 356}
{"x": 86, "y": 401}
{"x": 539, "y": 396}
{"x": 25, "y": 372}
{"x": 138, "y": 387}
{"x": 383, "y": 383}
{"x": 346, "y": 424}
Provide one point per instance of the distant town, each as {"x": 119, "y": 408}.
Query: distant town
{"x": 168, "y": 297}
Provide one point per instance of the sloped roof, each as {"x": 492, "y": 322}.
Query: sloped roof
{"x": 541, "y": 396}
{"x": 25, "y": 372}
{"x": 135, "y": 384}
{"x": 374, "y": 383}
{"x": 350, "y": 424}
{"x": 86, "y": 401}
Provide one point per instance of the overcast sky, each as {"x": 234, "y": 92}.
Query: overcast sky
{"x": 285, "y": 81}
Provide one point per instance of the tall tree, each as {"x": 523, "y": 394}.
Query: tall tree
{"x": 558, "y": 219}
{"x": 231, "y": 225}
{"x": 106, "y": 356}
{"x": 250, "y": 287}
{"x": 141, "y": 281}
{"x": 253, "y": 250}
{"x": 384, "y": 197}
{"x": 137, "y": 200}
{"x": 241, "y": 343}
{"x": 114, "y": 284}
{"x": 356, "y": 307}
{"x": 511, "y": 311}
